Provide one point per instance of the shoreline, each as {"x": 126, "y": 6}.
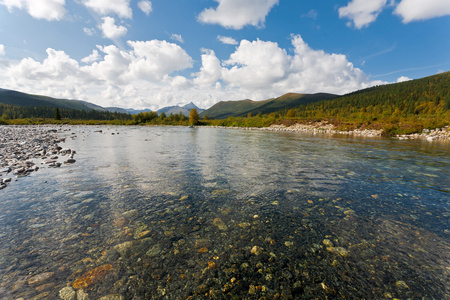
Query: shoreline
{"x": 326, "y": 128}
{"x": 24, "y": 147}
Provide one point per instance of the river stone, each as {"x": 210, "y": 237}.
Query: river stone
{"x": 154, "y": 251}
{"x": 327, "y": 243}
{"x": 256, "y": 250}
{"x": 339, "y": 251}
{"x": 112, "y": 297}
{"x": 121, "y": 222}
{"x": 144, "y": 234}
{"x": 92, "y": 277}
{"x": 220, "y": 224}
{"x": 82, "y": 295}
{"x": 401, "y": 285}
{"x": 124, "y": 247}
{"x": 40, "y": 278}
{"x": 67, "y": 293}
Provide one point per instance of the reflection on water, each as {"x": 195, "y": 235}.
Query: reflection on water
{"x": 179, "y": 213}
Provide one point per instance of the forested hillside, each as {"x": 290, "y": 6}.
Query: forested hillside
{"x": 24, "y": 112}
{"x": 414, "y": 104}
{"x": 243, "y": 108}
{"x": 22, "y": 99}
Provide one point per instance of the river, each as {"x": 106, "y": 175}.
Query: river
{"x": 192, "y": 213}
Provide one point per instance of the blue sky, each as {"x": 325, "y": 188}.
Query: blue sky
{"x": 156, "y": 53}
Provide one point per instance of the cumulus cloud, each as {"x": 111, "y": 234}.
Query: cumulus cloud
{"x": 210, "y": 71}
{"x": 415, "y": 10}
{"x": 145, "y": 74}
{"x": 256, "y": 65}
{"x": 362, "y": 12}
{"x": 94, "y": 56}
{"x": 154, "y": 59}
{"x": 227, "y": 40}
{"x": 50, "y": 10}
{"x": 177, "y": 37}
{"x": 111, "y": 30}
{"x": 109, "y": 76}
{"x": 238, "y": 13}
{"x": 104, "y": 7}
{"x": 145, "y": 6}
{"x": 2, "y": 50}
{"x": 403, "y": 79}
{"x": 263, "y": 69}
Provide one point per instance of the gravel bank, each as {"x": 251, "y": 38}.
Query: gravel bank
{"x": 24, "y": 149}
{"x": 326, "y": 128}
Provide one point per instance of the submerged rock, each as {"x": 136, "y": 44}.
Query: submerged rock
{"x": 220, "y": 224}
{"x": 339, "y": 251}
{"x": 92, "y": 277}
{"x": 40, "y": 278}
{"x": 67, "y": 293}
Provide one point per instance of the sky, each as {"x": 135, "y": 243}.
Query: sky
{"x": 152, "y": 54}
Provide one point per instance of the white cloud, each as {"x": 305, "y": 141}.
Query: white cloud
{"x": 261, "y": 70}
{"x": 257, "y": 64}
{"x": 2, "y": 50}
{"x": 89, "y": 31}
{"x": 210, "y": 71}
{"x": 177, "y": 37}
{"x": 50, "y": 10}
{"x": 238, "y": 13}
{"x": 145, "y": 74}
{"x": 227, "y": 40}
{"x": 362, "y": 12}
{"x": 111, "y": 30}
{"x": 154, "y": 59}
{"x": 137, "y": 77}
{"x": 403, "y": 78}
{"x": 145, "y": 6}
{"x": 415, "y": 10}
{"x": 104, "y": 7}
{"x": 94, "y": 56}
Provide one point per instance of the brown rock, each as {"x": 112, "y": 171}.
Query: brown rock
{"x": 92, "y": 277}
{"x": 40, "y": 278}
{"x": 121, "y": 222}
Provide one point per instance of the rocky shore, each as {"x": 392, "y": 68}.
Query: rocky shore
{"x": 326, "y": 128}
{"x": 24, "y": 148}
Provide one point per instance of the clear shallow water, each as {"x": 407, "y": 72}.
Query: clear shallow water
{"x": 175, "y": 213}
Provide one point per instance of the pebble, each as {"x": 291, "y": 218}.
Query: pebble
{"x": 401, "y": 285}
{"x": 37, "y": 279}
{"x": 256, "y": 250}
{"x": 23, "y": 145}
{"x": 67, "y": 293}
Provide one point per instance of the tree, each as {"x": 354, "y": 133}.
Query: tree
{"x": 290, "y": 113}
{"x": 193, "y": 117}
{"x": 249, "y": 115}
{"x": 205, "y": 118}
{"x": 57, "y": 115}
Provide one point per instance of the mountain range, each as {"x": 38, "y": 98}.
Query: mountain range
{"x": 242, "y": 108}
{"x": 15, "y": 98}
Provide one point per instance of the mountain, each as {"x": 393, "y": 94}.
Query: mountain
{"x": 242, "y": 108}
{"x": 180, "y": 109}
{"x": 15, "y": 98}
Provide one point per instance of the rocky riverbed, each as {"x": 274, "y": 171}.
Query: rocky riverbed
{"x": 25, "y": 149}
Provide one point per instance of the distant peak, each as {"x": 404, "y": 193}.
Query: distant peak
{"x": 190, "y": 105}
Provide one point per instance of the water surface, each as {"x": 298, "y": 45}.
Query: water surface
{"x": 179, "y": 213}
